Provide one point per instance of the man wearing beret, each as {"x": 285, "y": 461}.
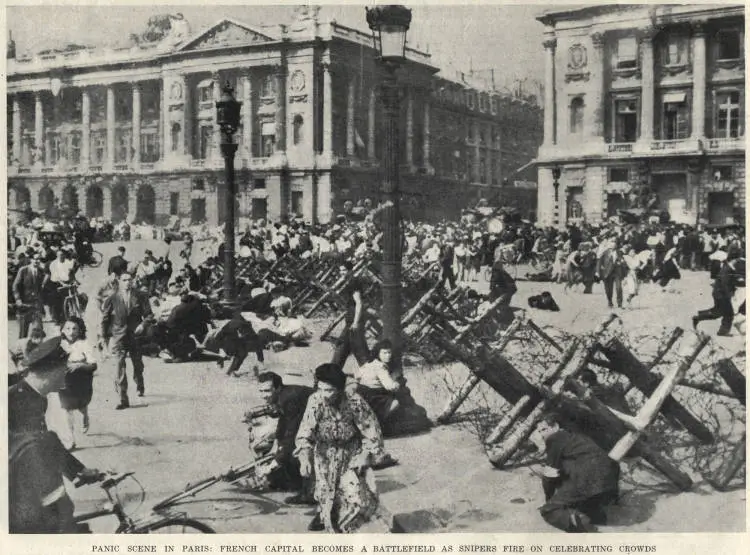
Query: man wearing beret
{"x": 37, "y": 460}
{"x": 122, "y": 313}
{"x": 27, "y": 290}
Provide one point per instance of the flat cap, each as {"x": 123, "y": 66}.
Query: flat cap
{"x": 46, "y": 354}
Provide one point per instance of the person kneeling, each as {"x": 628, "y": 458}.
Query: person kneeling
{"x": 289, "y": 402}
{"x": 376, "y": 385}
{"x": 579, "y": 481}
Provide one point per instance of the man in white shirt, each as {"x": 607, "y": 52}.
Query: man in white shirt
{"x": 60, "y": 270}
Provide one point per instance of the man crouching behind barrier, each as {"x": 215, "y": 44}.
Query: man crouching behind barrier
{"x": 287, "y": 403}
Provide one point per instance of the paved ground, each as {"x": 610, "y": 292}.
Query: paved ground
{"x": 188, "y": 427}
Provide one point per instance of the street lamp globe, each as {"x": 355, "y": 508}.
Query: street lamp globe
{"x": 389, "y": 25}
{"x": 228, "y": 111}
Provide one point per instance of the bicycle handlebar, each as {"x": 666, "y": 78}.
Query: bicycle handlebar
{"x": 114, "y": 479}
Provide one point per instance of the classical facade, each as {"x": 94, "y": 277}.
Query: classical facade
{"x": 131, "y": 133}
{"x": 644, "y": 98}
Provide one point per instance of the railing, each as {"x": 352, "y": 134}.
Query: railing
{"x": 620, "y": 147}
{"x": 197, "y": 162}
{"x": 96, "y": 168}
{"x": 725, "y": 144}
{"x": 122, "y": 167}
{"x": 690, "y": 144}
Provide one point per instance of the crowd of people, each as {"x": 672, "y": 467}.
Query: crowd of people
{"x": 329, "y": 437}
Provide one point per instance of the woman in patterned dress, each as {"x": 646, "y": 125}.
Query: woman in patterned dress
{"x": 339, "y": 437}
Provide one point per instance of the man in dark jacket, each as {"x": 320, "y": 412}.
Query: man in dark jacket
{"x": 724, "y": 287}
{"x": 611, "y": 268}
{"x": 117, "y": 264}
{"x": 37, "y": 461}
{"x": 290, "y": 402}
{"x": 122, "y": 313}
{"x": 502, "y": 283}
{"x": 27, "y": 290}
{"x": 579, "y": 481}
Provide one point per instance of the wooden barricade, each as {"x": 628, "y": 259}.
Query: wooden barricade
{"x": 731, "y": 465}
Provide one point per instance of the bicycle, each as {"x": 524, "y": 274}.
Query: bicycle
{"x": 155, "y": 522}
{"x": 73, "y": 304}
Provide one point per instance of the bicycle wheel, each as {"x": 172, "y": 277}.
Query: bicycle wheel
{"x": 96, "y": 259}
{"x": 71, "y": 308}
{"x": 179, "y": 525}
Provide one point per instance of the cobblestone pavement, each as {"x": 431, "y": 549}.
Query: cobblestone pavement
{"x": 188, "y": 427}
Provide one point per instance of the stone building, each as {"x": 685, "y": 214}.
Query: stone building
{"x": 131, "y": 133}
{"x": 644, "y": 98}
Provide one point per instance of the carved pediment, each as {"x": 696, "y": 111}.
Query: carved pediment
{"x": 226, "y": 33}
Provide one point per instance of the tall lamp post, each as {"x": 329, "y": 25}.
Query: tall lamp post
{"x": 556, "y": 172}
{"x": 228, "y": 119}
{"x": 389, "y": 25}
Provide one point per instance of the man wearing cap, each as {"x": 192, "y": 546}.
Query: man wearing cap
{"x": 27, "y": 290}
{"x": 122, "y": 313}
{"x": 117, "y": 264}
{"x": 37, "y": 461}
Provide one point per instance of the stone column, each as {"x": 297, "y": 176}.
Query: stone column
{"x": 110, "y": 126}
{"x": 350, "y": 118}
{"x": 327, "y": 111}
{"x": 550, "y": 42}
{"x": 426, "y": 137}
{"x": 476, "y": 130}
{"x": 647, "y": 88}
{"x": 107, "y": 202}
{"x": 17, "y": 138}
{"x": 594, "y": 107}
{"x": 215, "y": 153}
{"x": 132, "y": 203}
{"x": 409, "y": 127}
{"x": 136, "y": 160}
{"x": 699, "y": 80}
{"x": 247, "y": 116}
{"x": 280, "y": 72}
{"x": 38, "y": 128}
{"x": 164, "y": 122}
{"x": 371, "y": 126}
{"x": 85, "y": 128}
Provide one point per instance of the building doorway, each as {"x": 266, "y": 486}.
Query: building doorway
{"x": 95, "y": 202}
{"x": 297, "y": 204}
{"x": 197, "y": 210}
{"x": 721, "y": 208}
{"x": 23, "y": 198}
{"x": 46, "y": 201}
{"x": 70, "y": 200}
{"x": 119, "y": 202}
{"x": 259, "y": 209}
{"x": 145, "y": 205}
{"x": 615, "y": 203}
{"x": 670, "y": 188}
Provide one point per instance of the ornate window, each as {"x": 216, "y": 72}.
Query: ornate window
{"x": 575, "y": 210}
{"x": 625, "y": 125}
{"x": 204, "y": 141}
{"x": 175, "y": 137}
{"x": 206, "y": 93}
{"x": 98, "y": 147}
{"x": 729, "y": 43}
{"x": 297, "y": 124}
{"x": 74, "y": 148}
{"x": 675, "y": 51}
{"x": 727, "y": 115}
{"x": 576, "y": 115}
{"x": 268, "y": 86}
{"x": 675, "y": 116}
{"x": 149, "y": 146}
{"x": 122, "y": 152}
{"x": 626, "y": 56}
